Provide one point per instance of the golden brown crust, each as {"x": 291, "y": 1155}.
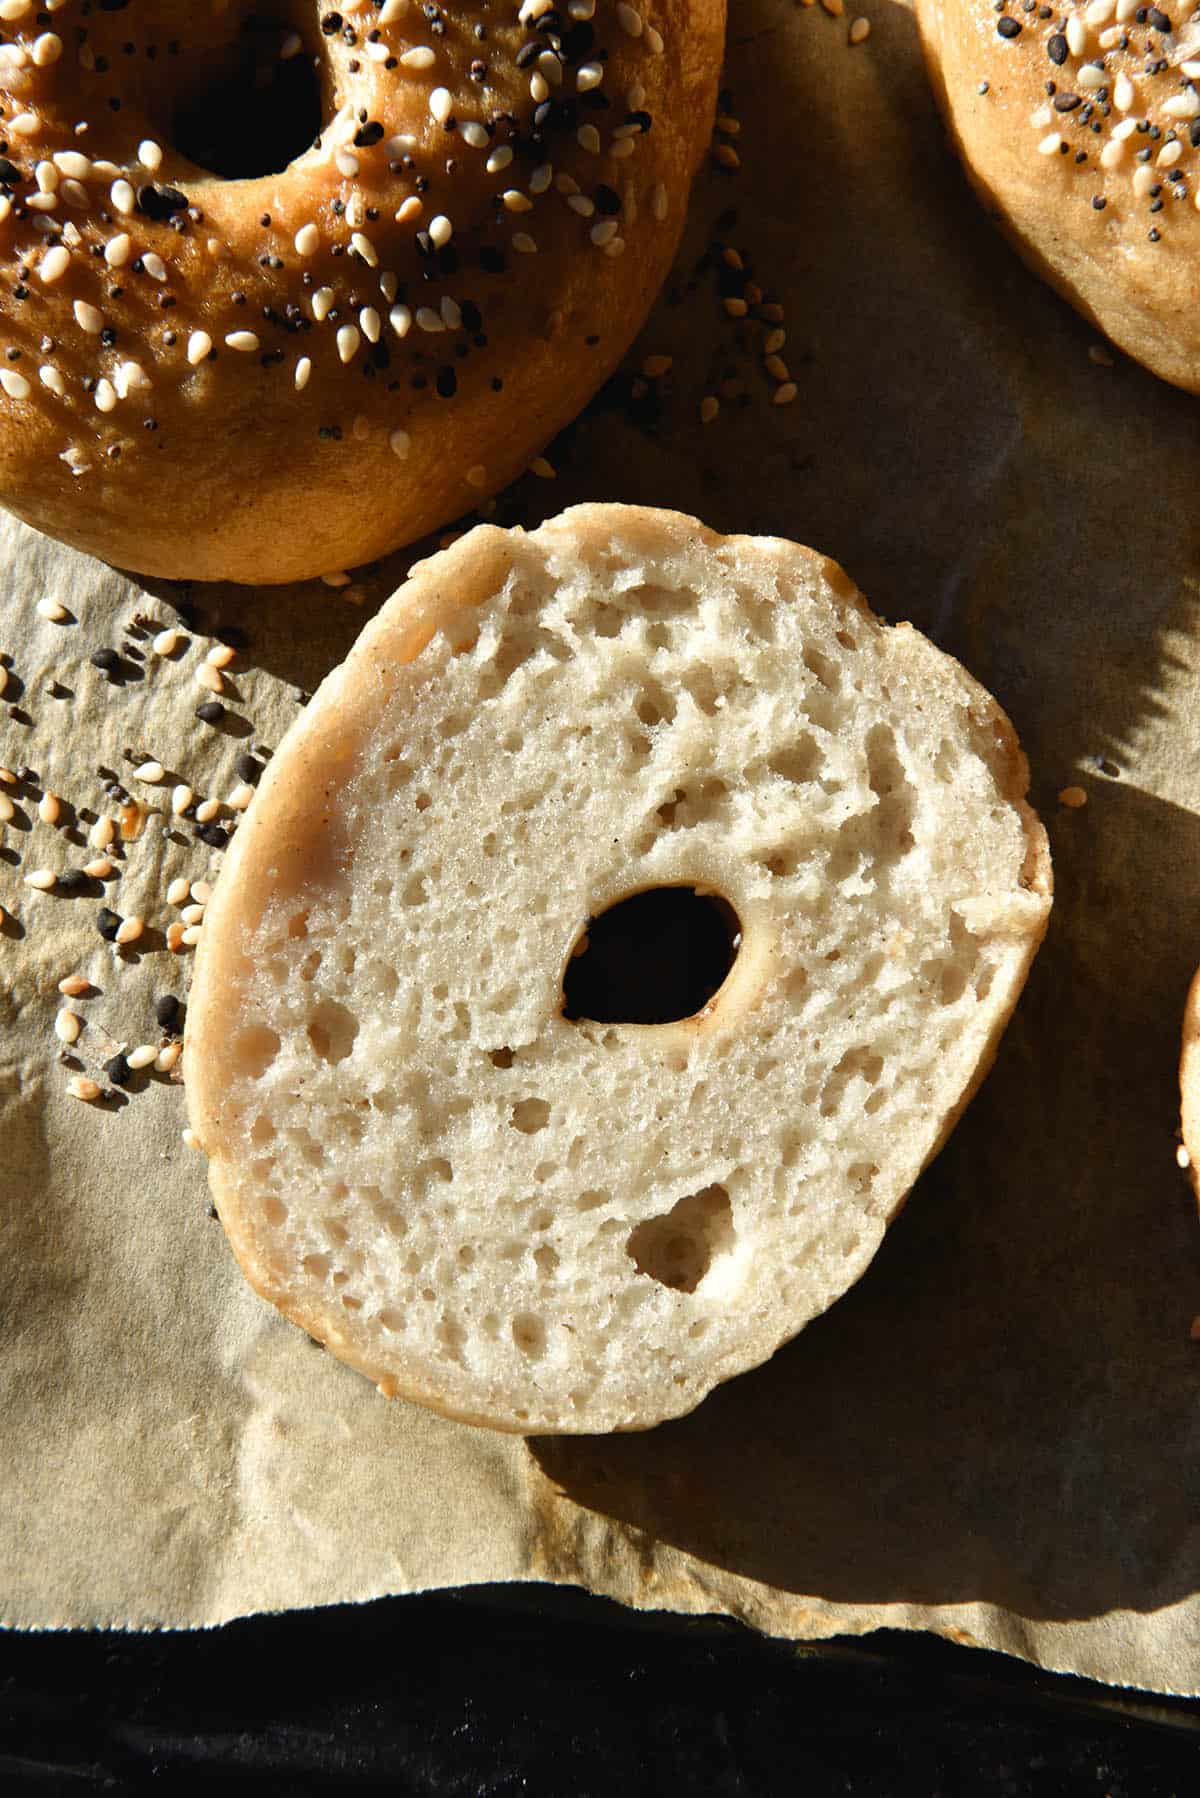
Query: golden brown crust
{"x": 220, "y": 468}
{"x": 1076, "y": 133}
{"x": 1189, "y": 1082}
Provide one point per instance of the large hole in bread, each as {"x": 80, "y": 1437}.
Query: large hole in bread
{"x": 248, "y": 110}
{"x": 652, "y": 959}
{"x": 679, "y": 1248}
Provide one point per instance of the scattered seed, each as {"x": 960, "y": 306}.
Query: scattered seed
{"x": 207, "y": 810}
{"x": 220, "y": 655}
{"x": 143, "y": 1056}
{"x": 67, "y": 1025}
{"x": 80, "y": 1087}
{"x": 129, "y": 931}
{"x": 1073, "y": 798}
{"x": 100, "y": 869}
{"x": 181, "y": 798}
{"x": 42, "y": 879}
{"x": 74, "y": 984}
{"x": 54, "y": 610}
{"x": 165, "y": 643}
{"x": 49, "y": 808}
{"x": 191, "y": 935}
{"x": 210, "y": 677}
{"x": 192, "y": 914}
{"x": 151, "y": 772}
{"x": 175, "y": 937}
{"x": 177, "y": 892}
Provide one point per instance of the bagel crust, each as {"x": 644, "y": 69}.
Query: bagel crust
{"x": 421, "y": 1153}
{"x": 1081, "y": 135}
{"x": 269, "y": 378}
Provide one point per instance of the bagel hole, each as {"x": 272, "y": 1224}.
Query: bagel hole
{"x": 654, "y": 958}
{"x": 275, "y": 101}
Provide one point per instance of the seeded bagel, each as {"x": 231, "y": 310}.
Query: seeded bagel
{"x": 542, "y": 1198}
{"x": 1079, "y": 126}
{"x": 285, "y": 291}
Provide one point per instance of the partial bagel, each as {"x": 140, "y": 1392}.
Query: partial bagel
{"x": 271, "y": 378}
{"x": 1189, "y": 1083}
{"x": 511, "y": 1205}
{"x": 1079, "y": 127}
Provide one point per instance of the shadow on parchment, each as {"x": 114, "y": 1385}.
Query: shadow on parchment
{"x": 1006, "y": 1407}
{"x": 951, "y": 443}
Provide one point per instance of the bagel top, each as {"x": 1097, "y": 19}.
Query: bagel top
{"x": 269, "y": 378}
{"x": 1080, "y": 131}
{"x": 529, "y": 1213}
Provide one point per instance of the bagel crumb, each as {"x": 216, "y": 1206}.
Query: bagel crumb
{"x": 1073, "y": 798}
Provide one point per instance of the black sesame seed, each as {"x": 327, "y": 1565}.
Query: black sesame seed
{"x": 248, "y": 767}
{"x": 1056, "y": 49}
{"x": 166, "y": 1011}
{"x": 160, "y": 202}
{"x": 211, "y": 712}
{"x": 1066, "y": 102}
{"x": 108, "y": 923}
{"x": 118, "y": 1070}
{"x": 107, "y": 659}
{"x": 1159, "y": 20}
{"x": 1009, "y": 28}
{"x": 1098, "y": 202}
{"x": 72, "y": 881}
{"x": 213, "y": 835}
{"x": 447, "y": 382}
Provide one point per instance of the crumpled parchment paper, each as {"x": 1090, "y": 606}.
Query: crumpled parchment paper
{"x": 996, "y": 1435}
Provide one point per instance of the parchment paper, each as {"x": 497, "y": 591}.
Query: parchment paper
{"x": 996, "y": 1434}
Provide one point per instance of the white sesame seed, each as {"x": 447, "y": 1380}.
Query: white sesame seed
{"x": 860, "y": 31}
{"x": 622, "y": 148}
{"x": 191, "y": 935}
{"x": 221, "y": 654}
{"x": 192, "y": 914}
{"x": 208, "y": 676}
{"x": 245, "y": 341}
{"x": 523, "y": 244}
{"x": 322, "y": 300}
{"x": 241, "y": 796}
{"x": 541, "y": 178}
{"x": 346, "y": 162}
{"x": 105, "y": 396}
{"x": 550, "y": 67}
{"x": 73, "y": 163}
{"x": 47, "y": 49}
{"x": 614, "y": 247}
{"x": 24, "y": 124}
{"x": 475, "y": 134}
{"x": 166, "y": 1058}
{"x": 53, "y": 609}
{"x": 1076, "y": 35}
{"x": 441, "y": 104}
{"x": 1182, "y": 106}
{"x": 539, "y": 87}
{"x": 123, "y": 196}
{"x": 102, "y": 833}
{"x": 129, "y": 931}
{"x": 603, "y": 232}
{"x": 588, "y": 138}
{"x": 389, "y": 285}
{"x": 80, "y": 1087}
{"x": 1050, "y": 144}
{"x": 1190, "y": 69}
{"x": 1169, "y": 155}
{"x": 307, "y": 240}
{"x": 365, "y": 248}
{"x": 1123, "y": 94}
{"x": 74, "y": 984}
{"x": 709, "y": 407}
{"x": 88, "y": 318}
{"x": 515, "y": 201}
{"x": 142, "y": 1056}
{"x": 189, "y": 1139}
{"x": 14, "y": 385}
{"x": 391, "y": 10}
{"x": 49, "y": 808}
{"x": 150, "y": 155}
{"x": 1143, "y": 181}
{"x": 154, "y": 266}
{"x": 630, "y": 20}
{"x": 181, "y": 798}
{"x": 348, "y": 341}
{"x": 499, "y": 159}
{"x": 149, "y": 771}
{"x": 1099, "y": 12}
{"x": 776, "y": 367}
{"x": 199, "y": 346}
{"x": 783, "y": 396}
{"x": 208, "y": 810}
{"x": 100, "y": 869}
{"x": 175, "y": 937}
{"x": 581, "y": 204}
{"x": 118, "y": 250}
{"x": 400, "y": 443}
{"x": 400, "y": 318}
{"x": 7, "y": 809}
{"x": 129, "y": 377}
{"x": 54, "y": 264}
{"x": 440, "y": 230}
{"x": 303, "y": 370}
{"x": 67, "y": 1025}
{"x": 654, "y": 41}
{"x": 419, "y": 57}
{"x": 166, "y": 642}
{"x": 451, "y": 313}
{"x": 42, "y": 202}
{"x": 201, "y": 890}
{"x": 42, "y": 879}
{"x": 1089, "y": 78}
{"x": 429, "y": 320}
{"x": 11, "y": 10}
{"x": 589, "y": 75}
{"x": 409, "y": 209}
{"x": 178, "y": 891}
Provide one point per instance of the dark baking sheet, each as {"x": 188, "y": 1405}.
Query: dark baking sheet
{"x": 511, "y": 1690}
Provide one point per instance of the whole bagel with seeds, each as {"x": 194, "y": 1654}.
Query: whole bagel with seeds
{"x": 541, "y": 1194}
{"x": 282, "y": 294}
{"x": 1079, "y": 127}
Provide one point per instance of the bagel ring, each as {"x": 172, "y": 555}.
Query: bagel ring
{"x": 275, "y": 375}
